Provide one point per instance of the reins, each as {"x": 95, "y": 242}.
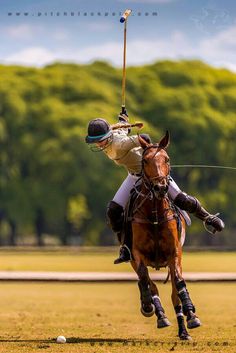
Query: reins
{"x": 202, "y": 166}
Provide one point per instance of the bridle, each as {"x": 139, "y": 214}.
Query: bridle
{"x": 149, "y": 182}
{"x": 152, "y": 194}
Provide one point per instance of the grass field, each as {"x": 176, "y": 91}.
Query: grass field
{"x": 74, "y": 260}
{"x": 101, "y": 317}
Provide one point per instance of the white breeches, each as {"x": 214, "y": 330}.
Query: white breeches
{"x": 122, "y": 195}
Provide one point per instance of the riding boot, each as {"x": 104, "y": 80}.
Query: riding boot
{"x": 115, "y": 217}
{"x": 124, "y": 255}
{"x": 192, "y": 205}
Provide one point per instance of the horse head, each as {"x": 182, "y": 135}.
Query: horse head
{"x": 155, "y": 165}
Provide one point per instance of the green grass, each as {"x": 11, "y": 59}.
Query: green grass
{"x": 34, "y": 314}
{"x": 71, "y": 260}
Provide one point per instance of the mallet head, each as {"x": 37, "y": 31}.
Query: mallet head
{"x": 125, "y": 15}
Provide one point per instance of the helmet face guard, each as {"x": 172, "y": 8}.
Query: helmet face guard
{"x": 94, "y": 147}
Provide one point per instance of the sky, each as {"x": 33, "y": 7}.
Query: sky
{"x": 37, "y": 33}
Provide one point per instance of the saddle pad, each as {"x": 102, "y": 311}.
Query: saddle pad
{"x": 182, "y": 229}
{"x": 182, "y": 236}
{"x": 186, "y": 216}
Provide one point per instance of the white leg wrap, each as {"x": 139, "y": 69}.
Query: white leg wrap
{"x": 179, "y": 314}
{"x": 156, "y": 296}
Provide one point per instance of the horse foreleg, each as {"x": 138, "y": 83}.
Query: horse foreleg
{"x": 183, "y": 333}
{"x": 183, "y": 294}
{"x": 162, "y": 320}
{"x": 147, "y": 306}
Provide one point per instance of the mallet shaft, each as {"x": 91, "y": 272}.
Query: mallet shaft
{"x": 124, "y": 67}
{"x": 126, "y": 126}
{"x": 123, "y": 19}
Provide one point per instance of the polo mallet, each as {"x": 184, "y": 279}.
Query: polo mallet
{"x": 123, "y": 19}
{"x": 139, "y": 125}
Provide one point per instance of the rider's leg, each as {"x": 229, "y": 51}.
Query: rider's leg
{"x": 115, "y": 214}
{"x": 192, "y": 205}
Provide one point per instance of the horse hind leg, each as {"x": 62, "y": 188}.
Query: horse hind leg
{"x": 147, "y": 306}
{"x": 162, "y": 320}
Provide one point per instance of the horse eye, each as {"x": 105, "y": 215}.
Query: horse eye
{"x": 144, "y": 161}
{"x": 167, "y": 160}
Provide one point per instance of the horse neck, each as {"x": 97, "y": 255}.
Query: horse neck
{"x": 162, "y": 204}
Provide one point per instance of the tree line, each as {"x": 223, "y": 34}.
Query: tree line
{"x": 51, "y": 183}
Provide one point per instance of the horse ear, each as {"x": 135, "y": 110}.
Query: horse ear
{"x": 164, "y": 142}
{"x": 143, "y": 143}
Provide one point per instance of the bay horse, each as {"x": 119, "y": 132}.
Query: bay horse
{"x": 155, "y": 226}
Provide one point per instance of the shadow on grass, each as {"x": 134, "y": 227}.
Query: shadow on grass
{"x": 17, "y": 340}
{"x": 103, "y": 340}
{"x": 91, "y": 341}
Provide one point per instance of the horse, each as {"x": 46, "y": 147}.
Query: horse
{"x": 155, "y": 225}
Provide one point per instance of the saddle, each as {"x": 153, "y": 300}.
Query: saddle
{"x": 128, "y": 217}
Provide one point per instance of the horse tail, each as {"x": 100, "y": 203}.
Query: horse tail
{"x": 167, "y": 277}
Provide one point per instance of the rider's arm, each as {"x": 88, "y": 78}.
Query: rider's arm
{"x": 124, "y": 142}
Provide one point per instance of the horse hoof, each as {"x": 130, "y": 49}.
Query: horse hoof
{"x": 148, "y": 313}
{"x": 164, "y": 322}
{"x": 193, "y": 323}
{"x": 185, "y": 337}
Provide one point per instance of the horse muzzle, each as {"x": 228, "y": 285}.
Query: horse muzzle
{"x": 160, "y": 190}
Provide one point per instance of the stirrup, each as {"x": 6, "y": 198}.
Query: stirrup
{"x": 209, "y": 228}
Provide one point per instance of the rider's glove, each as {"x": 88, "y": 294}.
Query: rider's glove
{"x": 123, "y": 116}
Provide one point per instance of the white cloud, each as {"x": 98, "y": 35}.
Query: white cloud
{"x": 99, "y": 27}
{"x": 109, "y": 51}
{"x": 34, "y": 56}
{"x": 223, "y": 43}
{"x": 221, "y": 49}
{"x": 26, "y": 32}
{"x": 138, "y": 51}
{"x": 22, "y": 31}
{"x": 218, "y": 51}
{"x": 60, "y": 35}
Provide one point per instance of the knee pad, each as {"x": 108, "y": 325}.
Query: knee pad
{"x": 186, "y": 202}
{"x": 115, "y": 216}
{"x": 114, "y": 210}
